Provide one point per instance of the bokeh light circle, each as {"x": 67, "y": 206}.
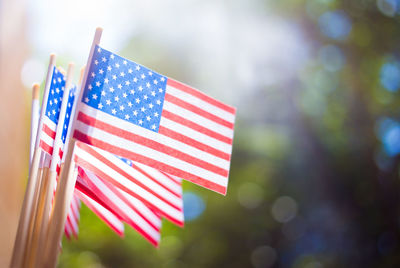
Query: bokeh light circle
{"x": 335, "y": 24}
{"x": 263, "y": 257}
{"x": 284, "y": 209}
{"x": 250, "y": 195}
{"x": 193, "y": 206}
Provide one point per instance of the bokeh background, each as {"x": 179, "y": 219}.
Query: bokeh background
{"x": 314, "y": 178}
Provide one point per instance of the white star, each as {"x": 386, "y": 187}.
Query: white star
{"x": 130, "y": 104}
{"x": 140, "y": 122}
{"x": 137, "y": 68}
{"x": 160, "y": 90}
{"x": 117, "y": 65}
{"x": 103, "y": 59}
{"x": 140, "y": 88}
{"x": 153, "y": 127}
{"x": 143, "y": 76}
{"x": 130, "y": 70}
{"x": 59, "y": 80}
{"x": 51, "y": 103}
{"x": 103, "y": 93}
{"x": 54, "y": 112}
{"x": 155, "y": 82}
{"x": 119, "y": 86}
{"x": 69, "y": 105}
{"x": 55, "y": 101}
{"x": 135, "y": 79}
{"x": 148, "y": 84}
{"x": 101, "y": 71}
{"x": 93, "y": 74}
{"x": 145, "y": 97}
{"x": 52, "y": 92}
{"x": 100, "y": 106}
{"x": 111, "y": 89}
{"x": 150, "y": 73}
{"x": 122, "y": 107}
{"x": 99, "y": 50}
{"x": 137, "y": 100}
{"x": 90, "y": 87}
{"x": 94, "y": 96}
{"x": 116, "y": 98}
{"x": 108, "y": 102}
{"x": 127, "y": 83}
{"x": 67, "y": 115}
{"x": 155, "y": 114}
{"x": 122, "y": 74}
{"x": 127, "y": 117}
{"x": 125, "y": 62}
{"x": 96, "y": 62}
{"x": 153, "y": 93}
{"x": 54, "y": 81}
{"x": 112, "y": 56}
{"x": 48, "y": 114}
{"x": 135, "y": 113}
{"x": 143, "y": 109}
{"x": 162, "y": 79}
{"x": 148, "y": 118}
{"x": 124, "y": 95}
{"x": 109, "y": 68}
{"x": 106, "y": 80}
{"x": 98, "y": 84}
{"x": 132, "y": 91}
{"x": 86, "y": 99}
{"x": 150, "y": 105}
{"x": 57, "y": 90}
{"x": 113, "y": 111}
{"x": 158, "y": 102}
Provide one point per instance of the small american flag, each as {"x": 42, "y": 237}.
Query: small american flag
{"x": 52, "y": 112}
{"x": 134, "y": 112}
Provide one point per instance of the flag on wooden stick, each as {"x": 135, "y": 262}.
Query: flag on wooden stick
{"x": 134, "y": 112}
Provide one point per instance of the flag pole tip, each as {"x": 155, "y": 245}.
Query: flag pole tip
{"x": 35, "y": 91}
{"x": 53, "y": 58}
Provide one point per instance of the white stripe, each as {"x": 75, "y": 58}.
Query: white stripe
{"x": 172, "y": 143}
{"x": 130, "y": 213}
{"x": 139, "y": 205}
{"x": 109, "y": 216}
{"x": 47, "y": 139}
{"x": 206, "y": 106}
{"x": 198, "y": 136}
{"x": 47, "y": 121}
{"x": 161, "y": 178}
{"x": 67, "y": 229}
{"x": 199, "y": 120}
{"x": 124, "y": 144}
{"x": 156, "y": 202}
{"x": 73, "y": 221}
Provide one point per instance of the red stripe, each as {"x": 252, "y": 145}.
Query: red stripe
{"x": 120, "y": 196}
{"x": 110, "y": 164}
{"x": 192, "y": 142}
{"x": 67, "y": 234}
{"x": 51, "y": 133}
{"x": 103, "y": 218}
{"x": 200, "y": 95}
{"x": 48, "y": 149}
{"x": 206, "y": 131}
{"x": 154, "y": 180}
{"x": 83, "y": 163}
{"x": 197, "y": 110}
{"x": 150, "y": 144}
{"x": 150, "y": 162}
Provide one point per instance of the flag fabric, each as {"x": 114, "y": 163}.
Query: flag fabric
{"x": 104, "y": 214}
{"x": 134, "y": 112}
{"x": 52, "y": 112}
{"x": 131, "y": 210}
{"x": 72, "y": 221}
{"x": 133, "y": 181}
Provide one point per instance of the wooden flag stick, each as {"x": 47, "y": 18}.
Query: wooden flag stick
{"x": 49, "y": 185}
{"x": 34, "y": 118}
{"x": 25, "y": 215}
{"x": 66, "y": 184}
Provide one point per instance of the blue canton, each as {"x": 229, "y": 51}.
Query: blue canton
{"x": 71, "y": 99}
{"x": 125, "y": 89}
{"x": 56, "y": 92}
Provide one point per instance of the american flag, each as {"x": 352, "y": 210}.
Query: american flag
{"x": 131, "y": 210}
{"x": 52, "y": 111}
{"x": 134, "y": 112}
{"x": 72, "y": 222}
{"x": 159, "y": 193}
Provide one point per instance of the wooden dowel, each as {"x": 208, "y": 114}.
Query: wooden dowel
{"x": 26, "y": 210}
{"x": 35, "y": 107}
